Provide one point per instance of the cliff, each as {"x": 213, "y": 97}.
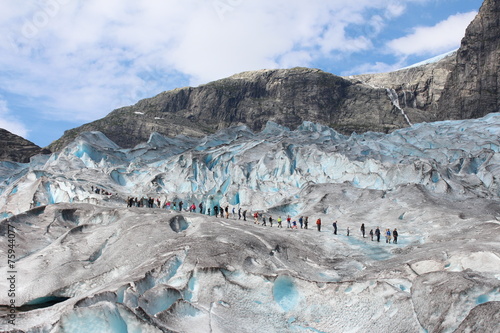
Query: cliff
{"x": 472, "y": 89}
{"x": 285, "y": 96}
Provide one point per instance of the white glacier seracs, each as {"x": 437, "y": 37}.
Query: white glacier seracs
{"x": 453, "y": 157}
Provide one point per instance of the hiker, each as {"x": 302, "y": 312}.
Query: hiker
{"x": 371, "y": 234}
{"x": 180, "y": 206}
{"x": 388, "y": 236}
{"x": 263, "y": 220}
{"x": 216, "y": 210}
{"x": 239, "y": 213}
{"x": 289, "y": 221}
{"x": 395, "y": 235}
{"x": 245, "y": 215}
{"x": 294, "y": 224}
{"x": 227, "y": 212}
{"x": 363, "y": 229}
{"x": 347, "y": 231}
{"x": 271, "y": 220}
{"x": 335, "y": 227}
{"x": 306, "y": 222}
{"x": 255, "y": 218}
{"x": 318, "y": 224}
{"x": 279, "y": 222}
{"x": 301, "y": 222}
{"x": 201, "y": 207}
{"x": 377, "y": 234}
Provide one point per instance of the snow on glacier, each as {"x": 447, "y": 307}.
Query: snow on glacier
{"x": 108, "y": 268}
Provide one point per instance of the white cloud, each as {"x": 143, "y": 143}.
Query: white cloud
{"x": 79, "y": 60}
{"x": 9, "y": 122}
{"x": 377, "y": 67}
{"x": 442, "y": 37}
{"x": 394, "y": 10}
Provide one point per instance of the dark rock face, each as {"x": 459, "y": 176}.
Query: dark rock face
{"x": 472, "y": 89}
{"x": 418, "y": 88}
{"x": 15, "y": 148}
{"x": 285, "y": 96}
{"x": 460, "y": 86}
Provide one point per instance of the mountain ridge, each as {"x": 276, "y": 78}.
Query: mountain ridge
{"x": 17, "y": 149}
{"x": 285, "y": 96}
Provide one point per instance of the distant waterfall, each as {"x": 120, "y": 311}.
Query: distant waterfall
{"x": 393, "y": 96}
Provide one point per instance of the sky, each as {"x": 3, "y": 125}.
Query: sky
{"x": 64, "y": 63}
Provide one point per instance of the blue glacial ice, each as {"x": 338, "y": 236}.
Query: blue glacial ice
{"x": 235, "y": 165}
{"x": 285, "y": 293}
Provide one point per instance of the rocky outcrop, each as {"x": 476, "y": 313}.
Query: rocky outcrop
{"x": 472, "y": 89}
{"x": 285, "y": 96}
{"x": 416, "y": 89}
{"x": 15, "y": 148}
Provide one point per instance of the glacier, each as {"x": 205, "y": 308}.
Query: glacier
{"x": 87, "y": 262}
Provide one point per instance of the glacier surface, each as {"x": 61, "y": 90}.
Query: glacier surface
{"x": 87, "y": 262}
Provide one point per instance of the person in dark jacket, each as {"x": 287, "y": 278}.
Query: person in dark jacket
{"x": 363, "y": 229}
{"x": 335, "y": 227}
{"x": 377, "y": 234}
{"x": 395, "y": 235}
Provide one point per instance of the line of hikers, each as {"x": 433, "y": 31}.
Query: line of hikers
{"x": 377, "y": 233}
{"x": 260, "y": 219}
{"x": 98, "y": 190}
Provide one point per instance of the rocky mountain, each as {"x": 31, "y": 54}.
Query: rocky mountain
{"x": 415, "y": 90}
{"x": 461, "y": 85}
{"x": 15, "y": 148}
{"x": 472, "y": 89}
{"x": 285, "y": 96}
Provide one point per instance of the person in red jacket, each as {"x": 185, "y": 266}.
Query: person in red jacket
{"x": 318, "y": 224}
